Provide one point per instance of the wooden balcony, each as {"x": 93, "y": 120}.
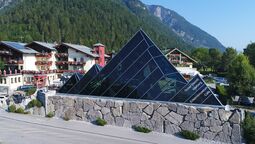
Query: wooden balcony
{"x": 76, "y": 63}
{"x": 59, "y": 55}
{"x": 43, "y": 55}
{"x": 62, "y": 63}
{"x": 71, "y": 71}
{"x": 48, "y": 63}
{"x": 5, "y": 52}
{"x": 15, "y": 62}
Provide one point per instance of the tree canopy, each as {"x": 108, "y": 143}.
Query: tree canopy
{"x": 87, "y": 22}
{"x": 241, "y": 77}
{"x": 250, "y": 53}
{"x": 228, "y": 56}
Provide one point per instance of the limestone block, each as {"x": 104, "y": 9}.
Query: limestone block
{"x": 163, "y": 111}
{"x": 148, "y": 109}
{"x": 171, "y": 128}
{"x": 187, "y": 125}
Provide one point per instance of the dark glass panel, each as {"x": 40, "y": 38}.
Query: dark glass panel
{"x": 188, "y": 90}
{"x": 154, "y": 51}
{"x": 166, "y": 66}
{"x": 121, "y": 68}
{"x": 137, "y": 79}
{"x": 212, "y": 100}
{"x": 70, "y": 83}
{"x": 128, "y": 74}
{"x": 85, "y": 79}
{"x": 146, "y": 84}
{"x": 147, "y": 39}
{"x": 170, "y": 90}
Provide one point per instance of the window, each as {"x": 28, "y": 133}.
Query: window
{"x": 75, "y": 59}
{"x": 1, "y": 81}
{"x": 19, "y": 79}
{"x": 11, "y": 80}
{"x": 21, "y": 67}
{"x": 15, "y": 79}
{"x": 4, "y": 80}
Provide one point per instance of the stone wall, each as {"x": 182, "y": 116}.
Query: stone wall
{"x": 210, "y": 123}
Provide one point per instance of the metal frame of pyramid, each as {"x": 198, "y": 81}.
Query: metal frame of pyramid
{"x": 141, "y": 71}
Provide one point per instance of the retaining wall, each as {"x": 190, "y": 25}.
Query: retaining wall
{"x": 210, "y": 123}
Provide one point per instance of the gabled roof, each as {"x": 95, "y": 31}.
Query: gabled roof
{"x": 81, "y": 48}
{"x": 46, "y": 45}
{"x": 19, "y": 47}
{"x": 176, "y": 49}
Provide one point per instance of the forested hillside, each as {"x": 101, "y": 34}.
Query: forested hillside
{"x": 111, "y": 22}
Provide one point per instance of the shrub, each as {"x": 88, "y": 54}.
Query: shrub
{"x": 189, "y": 135}
{"x": 12, "y": 108}
{"x": 101, "y": 122}
{"x": 31, "y": 91}
{"x": 66, "y": 118}
{"x": 141, "y": 129}
{"x": 50, "y": 115}
{"x": 223, "y": 95}
{"x": 20, "y": 111}
{"x": 34, "y": 103}
{"x": 249, "y": 128}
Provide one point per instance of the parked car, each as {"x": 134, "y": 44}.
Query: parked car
{"x": 25, "y": 88}
{"x": 18, "y": 97}
{"x": 246, "y": 101}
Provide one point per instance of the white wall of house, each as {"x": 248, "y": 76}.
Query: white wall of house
{"x": 51, "y": 78}
{"x": 12, "y": 82}
{"x": 53, "y": 59}
{"x": 29, "y": 62}
{"x": 73, "y": 54}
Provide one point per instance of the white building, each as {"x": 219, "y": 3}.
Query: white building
{"x": 40, "y": 63}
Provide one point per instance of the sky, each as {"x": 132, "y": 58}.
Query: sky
{"x": 232, "y": 22}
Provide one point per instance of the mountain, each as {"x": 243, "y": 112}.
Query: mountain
{"x": 86, "y": 22}
{"x": 190, "y": 33}
{"x": 5, "y": 3}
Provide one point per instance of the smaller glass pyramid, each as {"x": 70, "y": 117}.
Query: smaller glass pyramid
{"x": 75, "y": 78}
{"x": 94, "y": 70}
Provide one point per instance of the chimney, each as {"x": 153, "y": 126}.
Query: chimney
{"x": 100, "y": 50}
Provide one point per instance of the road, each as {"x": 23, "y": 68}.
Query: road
{"x": 28, "y": 129}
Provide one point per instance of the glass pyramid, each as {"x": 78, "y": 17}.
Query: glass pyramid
{"x": 75, "y": 78}
{"x": 141, "y": 71}
{"x": 94, "y": 70}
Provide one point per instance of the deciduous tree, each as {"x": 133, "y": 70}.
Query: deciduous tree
{"x": 241, "y": 77}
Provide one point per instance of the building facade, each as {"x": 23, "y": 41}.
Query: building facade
{"x": 40, "y": 63}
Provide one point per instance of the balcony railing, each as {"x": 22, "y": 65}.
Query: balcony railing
{"x": 71, "y": 71}
{"x": 62, "y": 63}
{"x": 44, "y": 55}
{"x": 58, "y": 55}
{"x": 76, "y": 63}
{"x": 15, "y": 62}
{"x": 48, "y": 63}
{"x": 4, "y": 52}
{"x": 38, "y": 72}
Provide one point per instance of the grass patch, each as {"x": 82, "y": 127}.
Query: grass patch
{"x": 50, "y": 115}
{"x": 34, "y": 103}
{"x": 12, "y": 108}
{"x": 20, "y": 111}
{"x": 141, "y": 129}
{"x": 100, "y": 122}
{"x": 249, "y": 128}
{"x": 189, "y": 135}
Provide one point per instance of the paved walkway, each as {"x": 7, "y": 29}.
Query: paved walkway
{"x": 27, "y": 129}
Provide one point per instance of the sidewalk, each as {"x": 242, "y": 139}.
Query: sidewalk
{"x": 27, "y": 129}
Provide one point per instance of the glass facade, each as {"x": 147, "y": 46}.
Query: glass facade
{"x": 141, "y": 71}
{"x": 75, "y": 78}
{"x": 94, "y": 70}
